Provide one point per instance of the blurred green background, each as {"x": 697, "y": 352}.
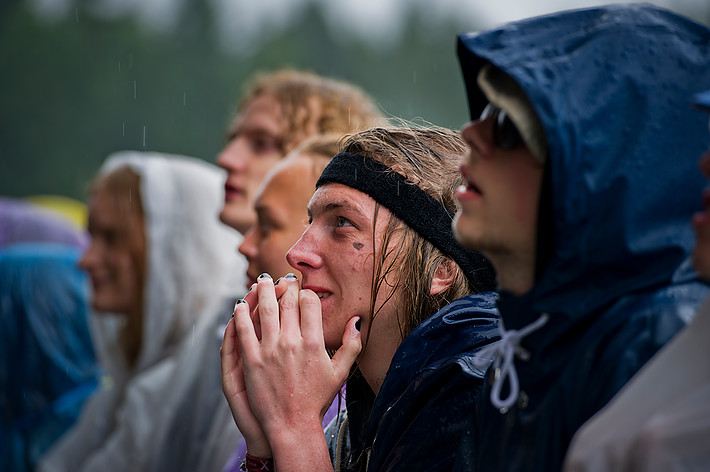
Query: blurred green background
{"x": 80, "y": 79}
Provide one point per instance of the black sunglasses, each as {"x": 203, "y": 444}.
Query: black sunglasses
{"x": 505, "y": 133}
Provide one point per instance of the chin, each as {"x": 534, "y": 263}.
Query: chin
{"x": 463, "y": 232}
{"x": 237, "y": 218}
{"x": 102, "y": 306}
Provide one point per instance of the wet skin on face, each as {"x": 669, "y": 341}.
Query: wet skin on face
{"x": 112, "y": 259}
{"x": 282, "y": 217}
{"x": 499, "y": 201}
{"x": 255, "y": 146}
{"x": 335, "y": 258}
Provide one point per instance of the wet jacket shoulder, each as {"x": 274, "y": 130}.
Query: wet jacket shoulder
{"x": 610, "y": 86}
{"x": 422, "y": 407}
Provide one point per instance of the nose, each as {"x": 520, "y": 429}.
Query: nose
{"x": 248, "y": 247}
{"x": 478, "y": 135}
{"x": 231, "y": 158}
{"x": 304, "y": 255}
{"x": 89, "y": 258}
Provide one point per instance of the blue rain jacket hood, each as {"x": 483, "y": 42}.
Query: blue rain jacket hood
{"x": 421, "y": 411}
{"x": 611, "y": 87}
{"x": 47, "y": 363}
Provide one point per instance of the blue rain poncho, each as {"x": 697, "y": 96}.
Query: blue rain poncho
{"x": 611, "y": 88}
{"x": 47, "y": 362}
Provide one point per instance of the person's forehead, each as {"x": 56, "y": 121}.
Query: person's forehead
{"x": 263, "y": 114}
{"x": 334, "y": 195}
{"x": 290, "y": 183}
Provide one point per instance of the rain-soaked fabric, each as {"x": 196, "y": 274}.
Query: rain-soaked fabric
{"x": 611, "y": 87}
{"x": 47, "y": 362}
{"x": 660, "y": 421}
{"x": 191, "y": 267}
{"x": 197, "y": 431}
{"x": 421, "y": 412}
{"x": 21, "y": 221}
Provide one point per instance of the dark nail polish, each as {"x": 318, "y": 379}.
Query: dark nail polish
{"x": 264, "y": 276}
{"x": 357, "y": 325}
{"x": 241, "y": 300}
{"x": 278, "y": 280}
{"x": 290, "y": 275}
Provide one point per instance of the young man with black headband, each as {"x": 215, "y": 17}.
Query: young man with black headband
{"x": 580, "y": 181}
{"x": 377, "y": 261}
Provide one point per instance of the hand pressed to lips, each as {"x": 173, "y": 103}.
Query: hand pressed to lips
{"x": 288, "y": 375}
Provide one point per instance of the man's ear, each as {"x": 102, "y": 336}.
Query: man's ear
{"x": 443, "y": 276}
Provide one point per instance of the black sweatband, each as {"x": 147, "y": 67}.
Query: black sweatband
{"x": 419, "y": 210}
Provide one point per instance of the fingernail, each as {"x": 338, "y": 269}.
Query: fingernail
{"x": 250, "y": 288}
{"x": 357, "y": 325}
{"x": 264, "y": 276}
{"x": 278, "y": 280}
{"x": 241, "y": 300}
{"x": 291, "y": 275}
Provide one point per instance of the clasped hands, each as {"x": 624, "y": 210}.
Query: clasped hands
{"x": 277, "y": 375}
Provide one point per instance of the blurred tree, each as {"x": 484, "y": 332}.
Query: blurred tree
{"x": 77, "y": 89}
{"x": 74, "y": 90}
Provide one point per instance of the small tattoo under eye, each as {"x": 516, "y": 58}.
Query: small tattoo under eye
{"x": 358, "y": 246}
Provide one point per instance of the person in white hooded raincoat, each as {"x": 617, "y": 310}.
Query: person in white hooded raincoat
{"x": 161, "y": 266}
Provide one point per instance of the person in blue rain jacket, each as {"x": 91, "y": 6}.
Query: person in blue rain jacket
{"x": 48, "y": 367}
{"x": 580, "y": 181}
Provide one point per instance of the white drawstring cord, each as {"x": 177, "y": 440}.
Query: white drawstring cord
{"x": 504, "y": 352}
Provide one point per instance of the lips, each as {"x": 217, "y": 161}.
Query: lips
{"x": 469, "y": 190}
{"x": 468, "y": 178}
{"x": 251, "y": 280}
{"x": 322, "y": 293}
{"x": 232, "y": 191}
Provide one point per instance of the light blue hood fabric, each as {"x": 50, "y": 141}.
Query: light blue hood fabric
{"x": 47, "y": 362}
{"x": 611, "y": 87}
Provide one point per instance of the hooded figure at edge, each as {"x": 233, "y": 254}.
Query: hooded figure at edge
{"x": 594, "y": 95}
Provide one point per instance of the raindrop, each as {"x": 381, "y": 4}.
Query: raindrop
{"x": 124, "y": 128}
{"x": 143, "y": 137}
{"x": 135, "y": 89}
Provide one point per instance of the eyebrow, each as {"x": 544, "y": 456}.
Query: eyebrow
{"x": 268, "y": 213}
{"x": 334, "y": 206}
{"x": 254, "y": 131}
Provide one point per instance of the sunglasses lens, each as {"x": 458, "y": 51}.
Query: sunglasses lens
{"x": 505, "y": 133}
